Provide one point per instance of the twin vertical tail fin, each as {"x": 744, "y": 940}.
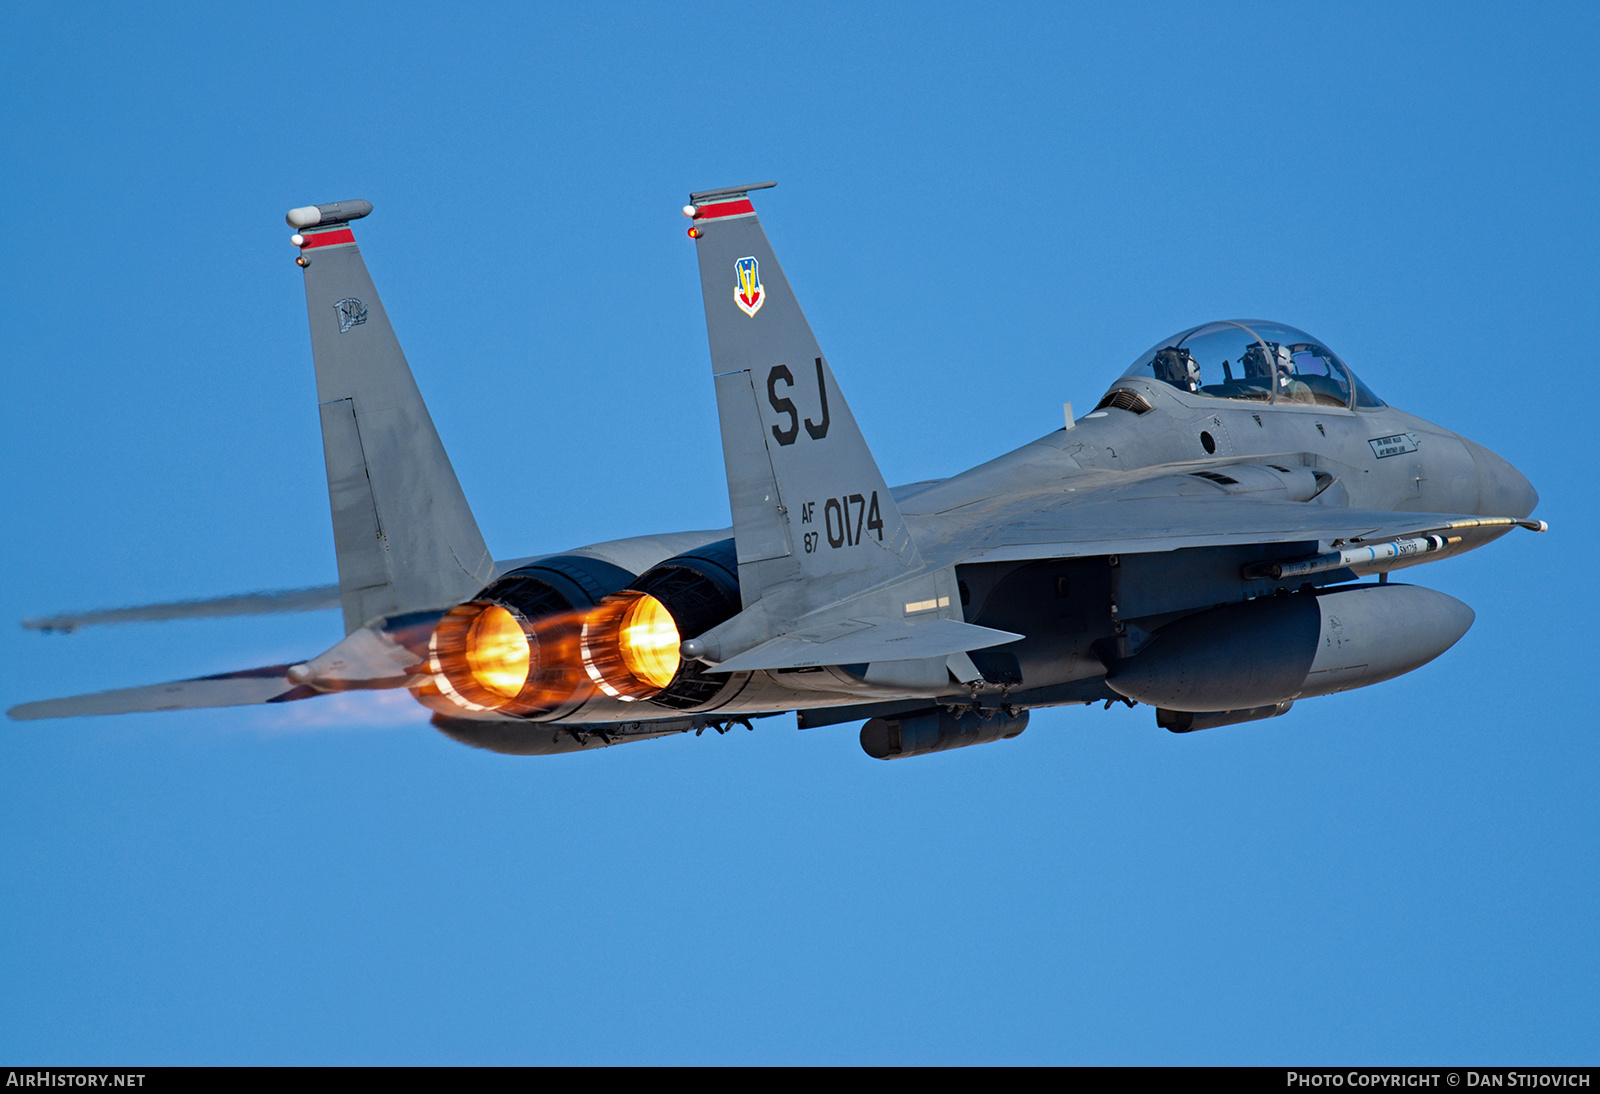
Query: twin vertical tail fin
{"x": 813, "y": 520}
{"x": 405, "y": 537}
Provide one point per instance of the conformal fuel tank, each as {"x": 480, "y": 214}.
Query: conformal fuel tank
{"x": 1276, "y": 648}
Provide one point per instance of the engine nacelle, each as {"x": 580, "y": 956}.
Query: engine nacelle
{"x": 514, "y": 647}
{"x": 545, "y": 638}
{"x": 630, "y": 641}
{"x": 924, "y": 732}
{"x": 1265, "y": 651}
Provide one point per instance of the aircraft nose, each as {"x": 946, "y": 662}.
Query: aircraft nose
{"x": 1503, "y": 491}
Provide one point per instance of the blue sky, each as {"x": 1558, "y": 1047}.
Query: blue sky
{"x": 987, "y": 211}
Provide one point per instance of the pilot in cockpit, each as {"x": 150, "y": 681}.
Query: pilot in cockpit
{"x": 1273, "y": 366}
{"x": 1177, "y": 367}
{"x": 1257, "y": 365}
{"x": 1258, "y": 362}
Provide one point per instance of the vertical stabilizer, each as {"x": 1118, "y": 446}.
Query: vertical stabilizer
{"x": 405, "y": 538}
{"x": 812, "y": 518}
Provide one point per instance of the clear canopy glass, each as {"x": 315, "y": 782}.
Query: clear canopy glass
{"x": 1255, "y": 360}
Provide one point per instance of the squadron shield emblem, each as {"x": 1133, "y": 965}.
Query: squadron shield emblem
{"x": 352, "y": 313}
{"x": 749, "y": 294}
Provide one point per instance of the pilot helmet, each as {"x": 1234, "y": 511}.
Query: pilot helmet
{"x": 1177, "y": 367}
{"x": 1284, "y": 362}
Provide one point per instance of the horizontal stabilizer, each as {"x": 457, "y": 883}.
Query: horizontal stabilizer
{"x": 313, "y": 599}
{"x": 229, "y": 689}
{"x": 860, "y": 641}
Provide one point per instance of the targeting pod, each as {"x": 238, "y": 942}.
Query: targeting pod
{"x": 1192, "y": 721}
{"x": 629, "y": 643}
{"x": 931, "y": 731}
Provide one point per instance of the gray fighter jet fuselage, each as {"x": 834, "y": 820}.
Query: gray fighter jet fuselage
{"x": 1199, "y": 542}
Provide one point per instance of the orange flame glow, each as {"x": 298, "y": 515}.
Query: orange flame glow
{"x": 484, "y": 656}
{"x": 630, "y": 646}
{"x": 649, "y": 642}
{"x": 498, "y": 652}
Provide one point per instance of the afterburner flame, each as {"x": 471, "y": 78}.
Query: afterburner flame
{"x": 483, "y": 656}
{"x": 487, "y": 656}
{"x": 630, "y": 645}
{"x": 649, "y": 642}
{"x": 497, "y": 652}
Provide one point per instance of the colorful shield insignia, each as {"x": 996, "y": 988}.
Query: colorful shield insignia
{"x": 749, "y": 294}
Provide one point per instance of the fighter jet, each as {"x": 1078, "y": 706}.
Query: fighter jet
{"x": 1214, "y": 540}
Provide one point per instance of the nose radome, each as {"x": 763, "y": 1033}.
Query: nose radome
{"x": 1503, "y": 491}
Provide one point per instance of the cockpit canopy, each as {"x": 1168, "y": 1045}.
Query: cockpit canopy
{"x": 1256, "y": 360}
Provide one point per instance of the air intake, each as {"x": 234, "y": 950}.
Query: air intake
{"x": 1124, "y": 400}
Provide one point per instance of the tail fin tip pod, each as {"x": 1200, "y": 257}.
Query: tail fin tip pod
{"x": 311, "y": 216}
{"x": 405, "y": 538}
{"x": 813, "y": 519}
